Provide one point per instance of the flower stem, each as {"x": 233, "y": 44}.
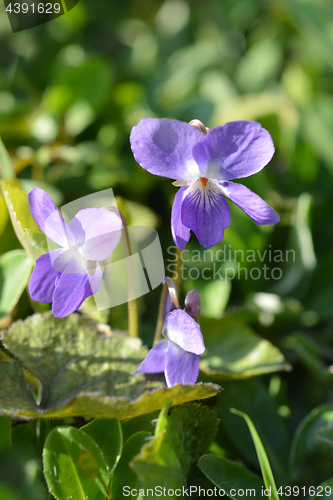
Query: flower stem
{"x": 132, "y": 307}
{"x": 168, "y": 287}
{"x": 177, "y": 277}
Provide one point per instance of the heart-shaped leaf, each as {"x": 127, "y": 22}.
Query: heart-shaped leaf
{"x": 85, "y": 369}
{"x": 233, "y": 350}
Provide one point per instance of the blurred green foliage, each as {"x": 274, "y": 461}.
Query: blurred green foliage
{"x": 71, "y": 90}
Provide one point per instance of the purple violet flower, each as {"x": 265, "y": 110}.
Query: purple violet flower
{"x": 68, "y": 275}
{"x": 178, "y": 354}
{"x": 203, "y": 166}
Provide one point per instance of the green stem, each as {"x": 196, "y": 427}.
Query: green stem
{"x": 168, "y": 287}
{"x": 132, "y": 307}
{"x": 177, "y": 277}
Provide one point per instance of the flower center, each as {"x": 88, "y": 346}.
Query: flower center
{"x": 203, "y": 181}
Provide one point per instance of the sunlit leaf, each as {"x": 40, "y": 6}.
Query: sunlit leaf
{"x": 3, "y": 214}
{"x": 86, "y": 371}
{"x": 233, "y": 350}
{"x": 15, "y": 392}
{"x": 74, "y": 466}
{"x": 6, "y": 166}
{"x": 26, "y": 229}
{"x": 15, "y": 270}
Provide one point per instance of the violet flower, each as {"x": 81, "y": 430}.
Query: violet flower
{"x": 68, "y": 275}
{"x": 178, "y": 354}
{"x": 203, "y": 166}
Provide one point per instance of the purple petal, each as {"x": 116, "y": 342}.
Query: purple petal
{"x": 254, "y": 206}
{"x": 192, "y": 303}
{"x": 164, "y": 147}
{"x": 180, "y": 233}
{"x": 69, "y": 261}
{"x": 206, "y": 212}
{"x": 95, "y": 279}
{"x": 102, "y": 232}
{"x": 155, "y": 359}
{"x": 69, "y": 294}
{"x": 181, "y": 367}
{"x": 47, "y": 217}
{"x": 184, "y": 331}
{"x": 43, "y": 279}
{"x": 238, "y": 149}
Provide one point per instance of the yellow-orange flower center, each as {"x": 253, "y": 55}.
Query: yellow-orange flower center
{"x": 203, "y": 181}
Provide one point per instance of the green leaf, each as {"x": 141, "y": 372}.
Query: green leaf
{"x": 311, "y": 451}
{"x": 326, "y": 434}
{"x": 3, "y": 214}
{"x": 6, "y": 166}
{"x": 312, "y": 21}
{"x": 8, "y": 493}
{"x": 252, "y": 398}
{"x": 5, "y": 433}
{"x": 89, "y": 81}
{"x": 80, "y": 93}
{"x": 141, "y": 423}
{"x": 89, "y": 309}
{"x": 15, "y": 270}
{"x": 229, "y": 476}
{"x": 162, "y": 420}
{"x": 28, "y": 233}
{"x": 107, "y": 433}
{"x": 262, "y": 456}
{"x": 15, "y": 392}
{"x": 158, "y": 463}
{"x": 233, "y": 350}
{"x": 123, "y": 475}
{"x": 259, "y": 64}
{"x": 74, "y": 466}
{"x": 86, "y": 370}
{"x": 179, "y": 440}
{"x": 196, "y": 426}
